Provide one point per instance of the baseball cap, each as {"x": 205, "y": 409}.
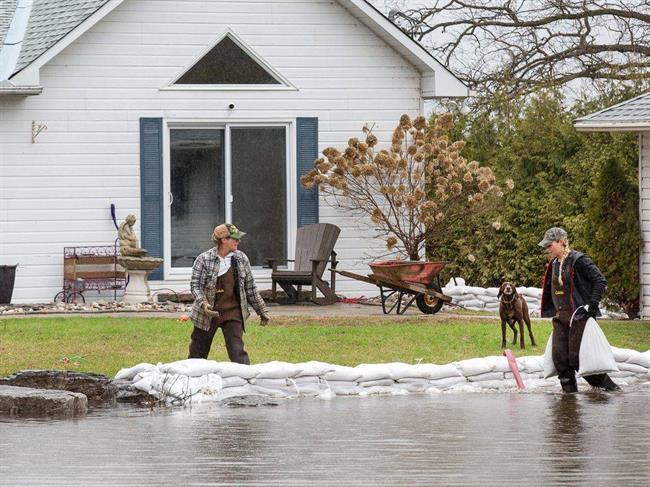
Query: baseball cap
{"x": 227, "y": 230}
{"x": 551, "y": 235}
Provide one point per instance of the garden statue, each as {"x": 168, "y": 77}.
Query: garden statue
{"x": 128, "y": 239}
{"x": 133, "y": 259}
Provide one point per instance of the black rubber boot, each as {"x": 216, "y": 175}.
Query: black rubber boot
{"x": 569, "y": 385}
{"x": 609, "y": 385}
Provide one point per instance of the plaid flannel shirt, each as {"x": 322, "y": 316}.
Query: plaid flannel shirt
{"x": 204, "y": 280}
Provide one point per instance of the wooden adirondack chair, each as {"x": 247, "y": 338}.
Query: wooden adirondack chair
{"x": 314, "y": 251}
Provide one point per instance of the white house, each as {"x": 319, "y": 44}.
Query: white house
{"x": 632, "y": 116}
{"x": 188, "y": 114}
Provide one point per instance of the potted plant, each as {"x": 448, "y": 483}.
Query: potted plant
{"x": 415, "y": 188}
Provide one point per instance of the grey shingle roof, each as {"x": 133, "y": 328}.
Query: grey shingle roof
{"x": 50, "y": 21}
{"x": 636, "y": 111}
{"x": 7, "y": 9}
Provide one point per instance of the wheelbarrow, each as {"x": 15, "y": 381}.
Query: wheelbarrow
{"x": 419, "y": 281}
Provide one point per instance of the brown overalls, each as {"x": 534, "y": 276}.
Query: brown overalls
{"x": 566, "y": 339}
{"x": 229, "y": 320}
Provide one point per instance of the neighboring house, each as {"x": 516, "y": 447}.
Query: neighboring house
{"x": 632, "y": 116}
{"x": 189, "y": 114}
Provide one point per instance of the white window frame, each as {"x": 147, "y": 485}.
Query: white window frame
{"x": 283, "y": 83}
{"x": 184, "y": 273}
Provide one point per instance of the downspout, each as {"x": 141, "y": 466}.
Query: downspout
{"x": 13, "y": 43}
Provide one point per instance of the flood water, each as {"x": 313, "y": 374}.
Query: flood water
{"x": 445, "y": 439}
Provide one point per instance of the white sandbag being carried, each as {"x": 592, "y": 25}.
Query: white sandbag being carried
{"x": 547, "y": 361}
{"x": 130, "y": 373}
{"x": 595, "y": 356}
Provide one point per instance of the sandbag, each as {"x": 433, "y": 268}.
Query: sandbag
{"x": 233, "y": 381}
{"x": 622, "y": 354}
{"x": 373, "y": 372}
{"x": 499, "y": 363}
{"x": 434, "y": 371}
{"x": 377, "y": 382}
{"x": 131, "y": 372}
{"x": 487, "y": 376}
{"x": 530, "y": 363}
{"x": 343, "y": 373}
{"x": 595, "y": 355}
{"x": 640, "y": 358}
{"x": 191, "y": 367}
{"x": 233, "y": 369}
{"x": 447, "y": 382}
{"x": 400, "y": 370}
{"x": 473, "y": 303}
{"x": 272, "y": 383}
{"x": 314, "y": 368}
{"x": 548, "y": 364}
{"x": 637, "y": 369}
{"x": 474, "y": 366}
{"x": 276, "y": 370}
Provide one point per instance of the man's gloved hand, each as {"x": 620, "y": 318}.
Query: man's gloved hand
{"x": 592, "y": 312}
{"x": 264, "y": 319}
{"x": 207, "y": 309}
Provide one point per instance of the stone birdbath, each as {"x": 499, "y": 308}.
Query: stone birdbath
{"x": 137, "y": 265}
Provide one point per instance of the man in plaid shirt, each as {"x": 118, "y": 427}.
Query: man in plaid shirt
{"x": 223, "y": 287}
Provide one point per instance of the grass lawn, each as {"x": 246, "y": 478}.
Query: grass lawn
{"x": 107, "y": 344}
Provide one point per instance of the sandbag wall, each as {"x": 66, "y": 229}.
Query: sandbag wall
{"x": 198, "y": 380}
{"x": 485, "y": 299}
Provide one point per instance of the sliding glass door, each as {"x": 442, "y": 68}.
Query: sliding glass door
{"x": 236, "y": 174}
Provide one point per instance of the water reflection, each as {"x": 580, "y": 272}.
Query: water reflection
{"x": 469, "y": 439}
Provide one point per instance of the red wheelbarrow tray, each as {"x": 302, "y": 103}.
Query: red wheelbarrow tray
{"x": 407, "y": 270}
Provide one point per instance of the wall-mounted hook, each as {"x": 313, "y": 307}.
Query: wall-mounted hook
{"x": 37, "y": 128}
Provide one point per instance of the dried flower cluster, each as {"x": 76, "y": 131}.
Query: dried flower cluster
{"x": 417, "y": 187}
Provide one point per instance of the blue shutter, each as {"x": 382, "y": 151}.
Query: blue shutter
{"x": 151, "y": 189}
{"x": 307, "y": 152}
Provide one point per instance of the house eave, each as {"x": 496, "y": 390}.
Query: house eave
{"x": 612, "y": 126}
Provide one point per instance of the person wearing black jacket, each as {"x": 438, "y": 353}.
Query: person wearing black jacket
{"x": 571, "y": 291}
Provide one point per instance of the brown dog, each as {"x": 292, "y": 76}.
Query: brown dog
{"x": 513, "y": 308}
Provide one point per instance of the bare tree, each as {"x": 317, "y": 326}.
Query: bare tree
{"x": 525, "y": 44}
{"x": 418, "y": 188}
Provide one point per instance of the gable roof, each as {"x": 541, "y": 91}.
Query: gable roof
{"x": 631, "y": 115}
{"x": 49, "y": 21}
{"x": 54, "y": 24}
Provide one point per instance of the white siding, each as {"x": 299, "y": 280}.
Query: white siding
{"x": 644, "y": 190}
{"x": 57, "y": 192}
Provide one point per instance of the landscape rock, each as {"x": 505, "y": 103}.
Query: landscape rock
{"x": 96, "y": 387}
{"x": 30, "y": 402}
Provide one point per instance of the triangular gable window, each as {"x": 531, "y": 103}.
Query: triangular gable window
{"x": 228, "y": 63}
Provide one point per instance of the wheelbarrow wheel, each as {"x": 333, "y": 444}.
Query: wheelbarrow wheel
{"x": 429, "y": 304}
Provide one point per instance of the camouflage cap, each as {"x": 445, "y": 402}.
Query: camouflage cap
{"x": 551, "y": 235}
{"x": 227, "y": 230}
